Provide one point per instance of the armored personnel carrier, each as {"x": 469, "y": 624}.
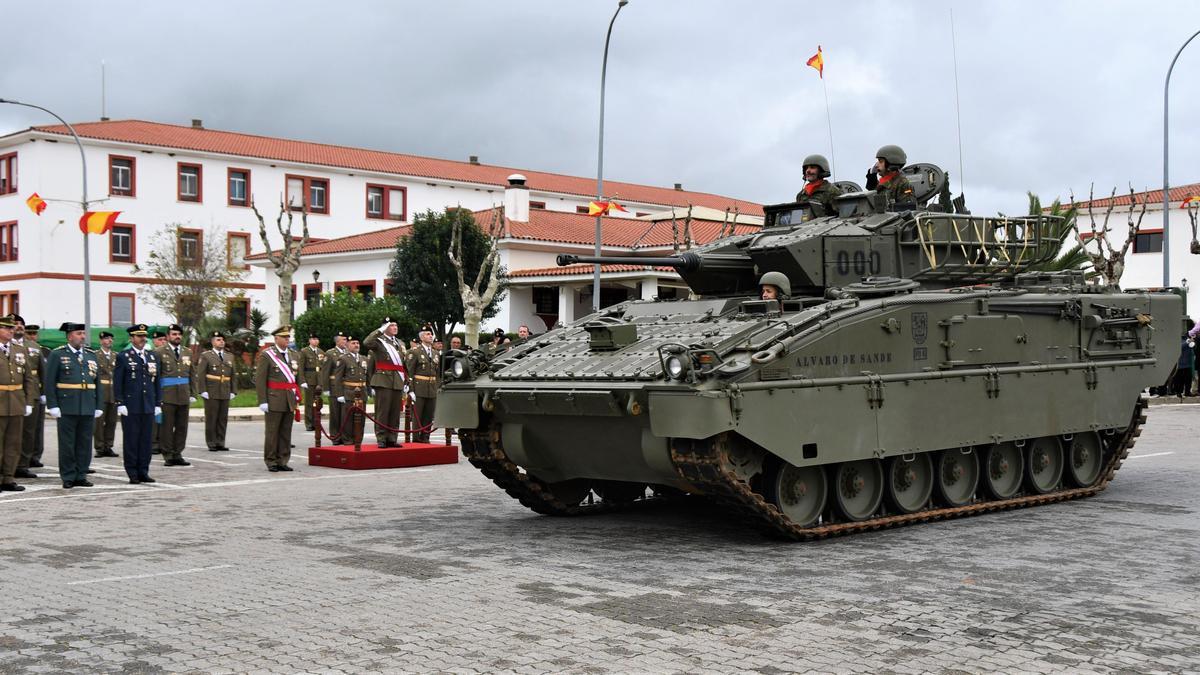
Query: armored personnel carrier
{"x": 918, "y": 368}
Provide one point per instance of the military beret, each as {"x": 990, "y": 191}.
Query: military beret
{"x": 499, "y": 332}
{"x": 313, "y": 335}
{"x": 341, "y": 334}
{"x": 32, "y": 328}
{"x": 388, "y": 319}
{"x": 137, "y": 329}
{"x": 69, "y": 326}
{"x": 427, "y": 327}
{"x": 349, "y": 338}
{"x": 217, "y": 334}
{"x": 7, "y": 322}
{"x": 282, "y": 330}
{"x": 158, "y": 334}
{"x": 175, "y": 326}
{"x": 105, "y": 334}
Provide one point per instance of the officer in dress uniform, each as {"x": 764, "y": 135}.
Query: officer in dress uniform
{"x": 176, "y": 377}
{"x": 423, "y": 368}
{"x": 138, "y": 390}
{"x": 213, "y": 381}
{"x": 349, "y": 379}
{"x": 159, "y": 341}
{"x": 334, "y": 420}
{"x": 312, "y": 359}
{"x": 33, "y": 431}
{"x": 72, "y": 378}
{"x": 387, "y": 380}
{"x": 106, "y": 423}
{"x": 278, "y": 397}
{"x": 18, "y": 393}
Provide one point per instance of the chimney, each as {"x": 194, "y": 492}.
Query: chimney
{"x": 679, "y": 187}
{"x": 474, "y": 159}
{"x": 516, "y": 199}
{"x": 197, "y": 124}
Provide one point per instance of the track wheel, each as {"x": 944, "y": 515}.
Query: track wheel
{"x": 857, "y": 488}
{"x": 570, "y": 492}
{"x": 1003, "y": 468}
{"x": 619, "y": 492}
{"x": 1085, "y": 459}
{"x": 1043, "y": 464}
{"x": 909, "y": 482}
{"x": 798, "y": 491}
{"x": 955, "y": 475}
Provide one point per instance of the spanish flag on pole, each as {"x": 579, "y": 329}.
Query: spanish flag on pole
{"x": 97, "y": 222}
{"x": 601, "y": 208}
{"x": 36, "y": 204}
{"x": 818, "y": 61}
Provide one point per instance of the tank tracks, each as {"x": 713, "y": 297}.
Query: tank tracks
{"x": 699, "y": 463}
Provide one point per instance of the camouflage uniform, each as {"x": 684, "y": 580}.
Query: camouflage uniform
{"x": 820, "y": 192}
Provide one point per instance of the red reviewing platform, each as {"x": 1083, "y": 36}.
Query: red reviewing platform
{"x": 371, "y": 457}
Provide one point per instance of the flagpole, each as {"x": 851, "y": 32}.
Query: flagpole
{"x": 829, "y": 122}
{"x": 83, "y": 201}
{"x": 600, "y": 159}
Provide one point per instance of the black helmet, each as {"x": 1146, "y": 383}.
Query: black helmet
{"x": 818, "y": 161}
{"x": 893, "y": 155}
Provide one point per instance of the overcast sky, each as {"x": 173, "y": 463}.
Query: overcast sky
{"x": 711, "y": 93}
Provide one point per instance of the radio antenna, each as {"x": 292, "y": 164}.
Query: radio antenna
{"x": 957, "y": 110}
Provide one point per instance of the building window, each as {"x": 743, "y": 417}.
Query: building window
{"x": 363, "y": 288}
{"x": 307, "y": 193}
{"x": 537, "y": 205}
{"x": 239, "y": 187}
{"x": 8, "y": 173}
{"x": 312, "y": 296}
{"x": 10, "y": 302}
{"x": 237, "y": 247}
{"x": 122, "y": 244}
{"x": 120, "y": 309}
{"x": 545, "y": 300}
{"x": 189, "y": 183}
{"x": 1148, "y": 242}
{"x": 581, "y": 209}
{"x": 386, "y": 201}
{"x": 122, "y": 176}
{"x": 8, "y": 242}
{"x": 239, "y": 311}
{"x": 190, "y": 247}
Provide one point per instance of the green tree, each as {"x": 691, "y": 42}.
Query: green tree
{"x": 352, "y": 314}
{"x": 1069, "y": 259}
{"x": 423, "y": 277}
{"x": 189, "y": 272}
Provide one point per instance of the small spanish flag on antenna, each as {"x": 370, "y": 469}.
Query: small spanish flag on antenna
{"x": 1194, "y": 199}
{"x": 97, "y": 222}
{"x": 36, "y": 204}
{"x": 818, "y": 61}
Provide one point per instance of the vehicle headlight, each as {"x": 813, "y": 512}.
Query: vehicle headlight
{"x": 458, "y": 369}
{"x": 675, "y": 367}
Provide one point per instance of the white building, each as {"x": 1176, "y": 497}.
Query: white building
{"x": 203, "y": 179}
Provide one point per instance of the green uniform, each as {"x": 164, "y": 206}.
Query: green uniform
{"x": 106, "y": 425}
{"x": 897, "y": 188}
{"x": 17, "y": 390}
{"x": 388, "y": 382}
{"x": 213, "y": 381}
{"x": 334, "y": 421}
{"x": 422, "y": 363}
{"x": 175, "y": 372}
{"x": 311, "y": 361}
{"x": 821, "y": 192}
{"x": 33, "y": 432}
{"x": 72, "y": 377}
{"x": 349, "y": 380}
{"x": 276, "y": 385}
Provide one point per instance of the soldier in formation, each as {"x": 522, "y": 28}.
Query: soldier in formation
{"x": 176, "y": 376}
{"x": 106, "y": 423}
{"x": 213, "y": 381}
{"x": 18, "y": 394}
{"x": 72, "y": 378}
{"x": 388, "y": 380}
{"x": 349, "y": 381}
{"x": 816, "y": 189}
{"x": 312, "y": 359}
{"x": 336, "y": 413}
{"x": 33, "y": 434}
{"x": 886, "y": 179}
{"x": 159, "y": 340}
{"x": 423, "y": 367}
{"x": 138, "y": 391}
{"x": 277, "y": 385}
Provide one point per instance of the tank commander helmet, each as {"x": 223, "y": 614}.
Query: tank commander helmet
{"x": 893, "y": 156}
{"x": 818, "y": 161}
{"x": 779, "y": 280}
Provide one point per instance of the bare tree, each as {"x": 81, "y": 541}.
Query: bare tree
{"x": 286, "y": 260}
{"x": 1193, "y": 209}
{"x": 477, "y": 295}
{"x": 1107, "y": 260}
{"x": 191, "y": 272}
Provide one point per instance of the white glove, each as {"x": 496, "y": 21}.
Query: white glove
{"x": 262, "y": 407}
{"x": 231, "y": 396}
{"x": 304, "y": 385}
{"x": 204, "y": 395}
{"x": 42, "y": 399}
{"x": 192, "y": 399}
{"x": 384, "y": 326}
{"x": 54, "y": 412}
{"x": 157, "y": 410}
{"x": 97, "y": 414}
{"x": 122, "y": 411}
{"x": 341, "y": 399}
{"x": 29, "y": 410}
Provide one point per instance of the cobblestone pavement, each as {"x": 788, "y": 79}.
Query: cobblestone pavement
{"x": 223, "y": 566}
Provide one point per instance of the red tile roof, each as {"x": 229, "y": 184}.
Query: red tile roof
{"x": 1175, "y": 194}
{"x": 264, "y": 147}
{"x": 583, "y": 269}
{"x": 368, "y": 241}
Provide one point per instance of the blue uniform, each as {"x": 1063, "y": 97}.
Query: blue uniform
{"x": 137, "y": 387}
{"x": 71, "y": 379}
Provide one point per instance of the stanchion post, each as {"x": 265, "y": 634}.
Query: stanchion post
{"x": 316, "y": 414}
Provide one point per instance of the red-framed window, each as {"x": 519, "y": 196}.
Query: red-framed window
{"x": 122, "y": 176}
{"x": 237, "y": 247}
{"x": 307, "y": 193}
{"x": 581, "y": 209}
{"x": 537, "y": 205}
{"x": 10, "y": 302}
{"x": 8, "y": 173}
{"x": 189, "y": 247}
{"x": 365, "y": 288}
{"x": 1148, "y": 241}
{"x": 388, "y": 202}
{"x": 122, "y": 309}
{"x": 312, "y": 296}
{"x": 191, "y": 182}
{"x": 237, "y": 183}
{"x": 8, "y": 242}
{"x": 238, "y": 311}
{"x": 122, "y": 243}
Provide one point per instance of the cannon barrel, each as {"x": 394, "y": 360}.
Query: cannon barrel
{"x": 688, "y": 261}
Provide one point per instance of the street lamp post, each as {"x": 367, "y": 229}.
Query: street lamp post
{"x": 600, "y": 159}
{"x": 1166, "y": 252}
{"x": 83, "y": 201}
